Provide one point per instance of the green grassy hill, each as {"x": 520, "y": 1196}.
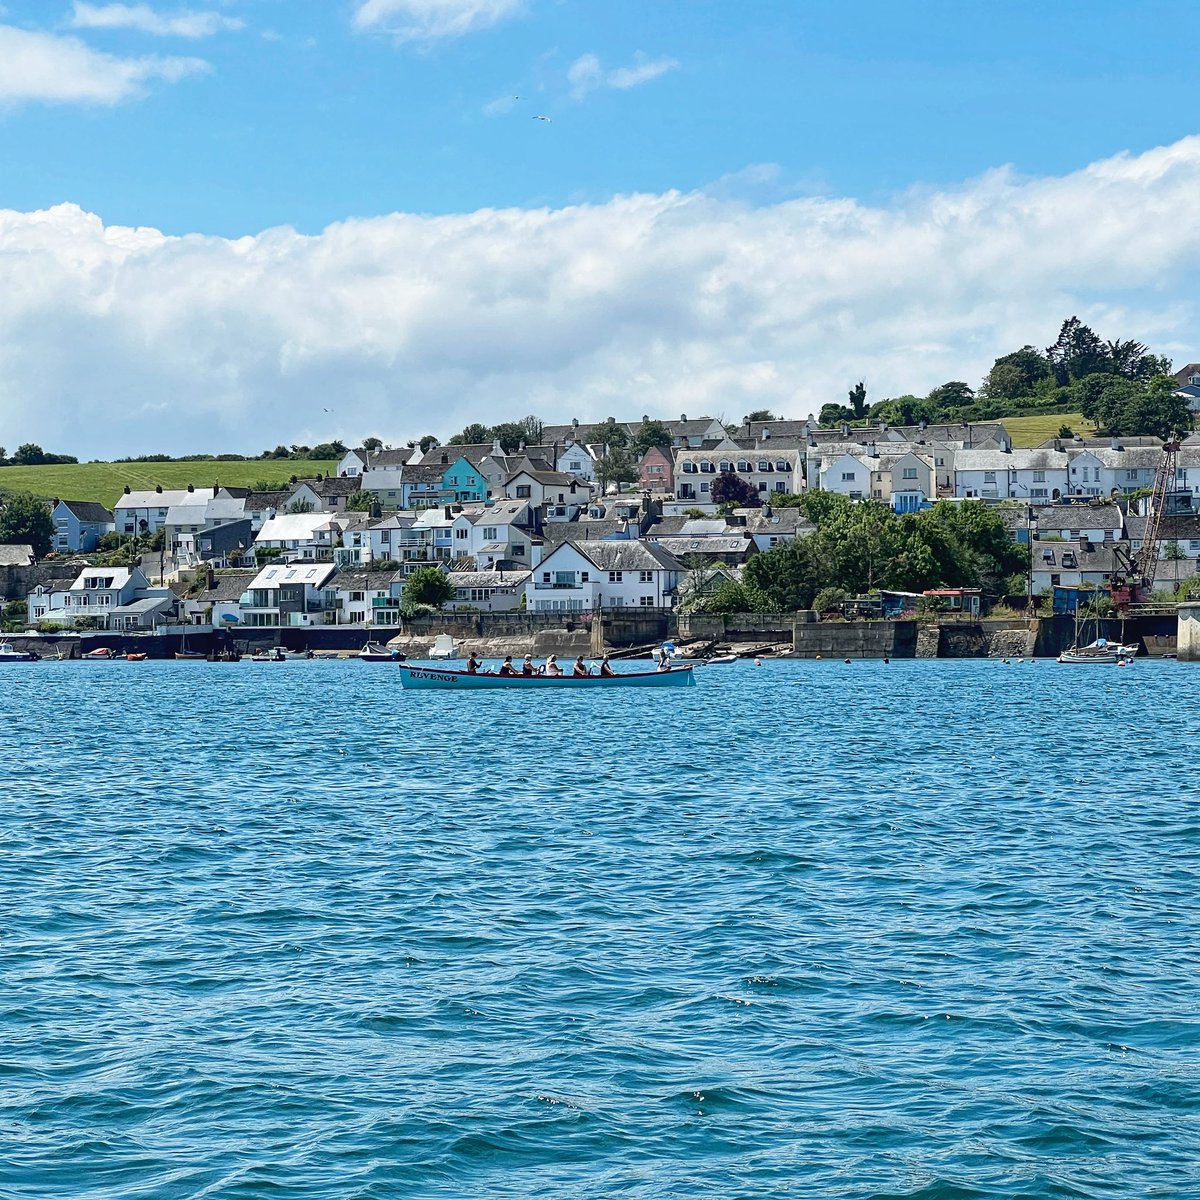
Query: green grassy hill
{"x": 1032, "y": 431}
{"x": 104, "y": 482}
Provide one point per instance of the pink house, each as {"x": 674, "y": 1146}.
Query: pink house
{"x": 656, "y": 472}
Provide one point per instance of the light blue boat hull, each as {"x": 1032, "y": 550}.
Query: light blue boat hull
{"x": 442, "y": 679}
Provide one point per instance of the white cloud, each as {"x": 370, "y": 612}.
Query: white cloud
{"x": 586, "y": 74}
{"x": 42, "y": 67}
{"x": 144, "y": 19}
{"x": 119, "y": 340}
{"x": 427, "y": 20}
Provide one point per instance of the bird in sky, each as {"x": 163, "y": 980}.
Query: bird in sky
{"x": 328, "y": 410}
{"x": 541, "y": 118}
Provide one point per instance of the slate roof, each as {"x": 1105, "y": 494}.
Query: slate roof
{"x": 89, "y": 512}
{"x": 489, "y": 579}
{"x": 425, "y": 473}
{"x": 379, "y": 459}
{"x": 1087, "y": 443}
{"x": 554, "y": 533}
{"x": 1174, "y": 529}
{"x": 628, "y": 555}
{"x": 706, "y": 545}
{"x": 1074, "y": 518}
{"x": 1125, "y": 459}
{"x": 225, "y": 588}
{"x": 366, "y": 581}
{"x": 1017, "y": 460}
{"x": 688, "y": 527}
{"x": 549, "y": 478}
{"x": 1101, "y": 557}
{"x": 16, "y": 556}
{"x": 261, "y": 501}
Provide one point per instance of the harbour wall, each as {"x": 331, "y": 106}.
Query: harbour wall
{"x": 1188, "y": 636}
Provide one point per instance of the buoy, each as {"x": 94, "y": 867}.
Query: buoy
{"x": 846, "y": 661}
{"x": 887, "y": 660}
{"x": 758, "y": 662}
{"x": 818, "y": 658}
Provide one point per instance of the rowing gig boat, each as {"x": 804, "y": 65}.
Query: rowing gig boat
{"x": 442, "y": 679}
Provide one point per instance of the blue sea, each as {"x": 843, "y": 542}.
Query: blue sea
{"x": 924, "y": 929}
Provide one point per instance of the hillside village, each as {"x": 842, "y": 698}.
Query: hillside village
{"x": 541, "y": 528}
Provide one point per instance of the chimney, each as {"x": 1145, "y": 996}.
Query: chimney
{"x": 191, "y": 488}
{"x": 216, "y": 490}
{"x": 845, "y": 430}
{"x": 127, "y": 489}
{"x": 445, "y": 458}
{"x": 874, "y": 450}
{"x": 449, "y": 514}
{"x": 521, "y": 447}
{"x": 375, "y": 511}
{"x": 158, "y": 488}
{"x": 210, "y": 580}
{"x": 1116, "y": 444}
{"x": 766, "y": 434}
{"x": 496, "y": 447}
{"x": 683, "y": 416}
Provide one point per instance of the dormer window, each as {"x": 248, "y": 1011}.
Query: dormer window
{"x": 744, "y": 466}
{"x": 725, "y": 465}
{"x": 706, "y": 467}
{"x": 763, "y": 465}
{"x": 782, "y": 465}
{"x": 689, "y": 467}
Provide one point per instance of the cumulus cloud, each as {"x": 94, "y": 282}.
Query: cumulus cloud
{"x": 586, "y": 74}
{"x": 144, "y": 19}
{"x": 116, "y": 340}
{"x": 63, "y": 70}
{"x": 428, "y": 20}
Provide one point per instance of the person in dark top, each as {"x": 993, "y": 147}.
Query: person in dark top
{"x": 527, "y": 666}
{"x": 506, "y": 667}
{"x": 473, "y": 665}
{"x": 606, "y": 667}
{"x": 580, "y": 667}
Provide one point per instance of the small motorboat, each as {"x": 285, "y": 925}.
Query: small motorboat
{"x": 720, "y": 660}
{"x": 441, "y": 678}
{"x": 9, "y": 653}
{"x": 275, "y": 654}
{"x": 136, "y": 656}
{"x": 100, "y": 654}
{"x": 191, "y": 655}
{"x": 374, "y": 652}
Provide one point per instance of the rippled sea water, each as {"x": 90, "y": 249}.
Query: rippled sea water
{"x": 919, "y": 929}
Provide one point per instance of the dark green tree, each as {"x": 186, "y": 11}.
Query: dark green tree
{"x": 1076, "y": 352}
{"x": 762, "y": 414}
{"x": 858, "y": 400}
{"x": 372, "y": 444}
{"x": 475, "y": 434}
{"x": 1014, "y": 376}
{"x": 360, "y": 501}
{"x": 617, "y": 466}
{"x": 25, "y": 521}
{"x": 950, "y": 395}
{"x": 427, "y": 585}
{"x": 651, "y": 433}
{"x": 834, "y": 414}
{"x": 1155, "y": 409}
{"x": 427, "y": 443}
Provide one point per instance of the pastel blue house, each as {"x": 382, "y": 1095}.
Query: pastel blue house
{"x": 462, "y": 483}
{"x": 79, "y": 525}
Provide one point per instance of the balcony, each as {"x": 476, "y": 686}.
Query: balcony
{"x": 557, "y": 586}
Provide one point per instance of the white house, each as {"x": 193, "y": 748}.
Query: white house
{"x": 117, "y": 598}
{"x": 1039, "y": 475}
{"x": 1101, "y": 471}
{"x": 577, "y": 459}
{"x": 290, "y": 594}
{"x": 846, "y": 474}
{"x": 559, "y": 495}
{"x": 368, "y": 597}
{"x": 497, "y": 533}
{"x": 766, "y": 468}
{"x": 590, "y": 576}
{"x": 146, "y": 512}
{"x": 488, "y": 591}
{"x": 310, "y": 535}
{"x": 1072, "y": 564}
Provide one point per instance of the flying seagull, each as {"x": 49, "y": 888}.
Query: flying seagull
{"x": 541, "y": 118}
{"x": 328, "y": 410}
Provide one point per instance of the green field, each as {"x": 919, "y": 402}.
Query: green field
{"x": 1032, "y": 431}
{"x": 104, "y": 482}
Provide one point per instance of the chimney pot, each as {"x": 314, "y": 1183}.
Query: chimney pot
{"x": 158, "y": 488}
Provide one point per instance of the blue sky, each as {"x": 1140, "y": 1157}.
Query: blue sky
{"x": 303, "y": 118}
{"x": 776, "y": 146}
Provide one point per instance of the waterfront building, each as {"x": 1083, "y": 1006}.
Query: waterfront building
{"x": 112, "y": 598}
{"x": 589, "y": 576}
{"x": 295, "y": 593}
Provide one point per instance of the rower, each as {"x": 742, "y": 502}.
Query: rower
{"x": 527, "y": 666}
{"x": 580, "y": 669}
{"x": 473, "y": 665}
{"x": 552, "y": 667}
{"x": 606, "y": 667}
{"x": 506, "y": 667}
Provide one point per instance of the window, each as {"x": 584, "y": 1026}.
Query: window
{"x": 545, "y": 576}
{"x": 645, "y": 576}
{"x": 847, "y": 476}
{"x": 1039, "y": 493}
{"x": 762, "y": 487}
{"x": 1131, "y": 475}
{"x": 780, "y": 485}
{"x": 689, "y": 467}
{"x": 524, "y": 491}
{"x": 704, "y": 486}
{"x": 574, "y": 466}
{"x": 744, "y": 466}
{"x": 1039, "y": 477}
{"x": 357, "y": 597}
{"x": 706, "y": 467}
{"x": 583, "y": 577}
{"x": 647, "y": 601}
{"x": 910, "y": 472}
{"x": 782, "y": 465}
{"x": 763, "y": 465}
{"x": 518, "y": 551}
{"x": 725, "y": 465}
{"x": 989, "y": 477}
{"x": 489, "y": 533}
{"x": 616, "y": 576}
{"x": 460, "y": 532}
{"x": 654, "y": 469}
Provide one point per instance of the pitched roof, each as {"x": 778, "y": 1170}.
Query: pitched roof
{"x": 1092, "y": 557}
{"x": 225, "y": 588}
{"x": 155, "y": 499}
{"x": 280, "y": 574}
{"x": 375, "y": 460}
{"x": 16, "y": 556}
{"x": 89, "y": 511}
{"x": 626, "y": 555}
{"x": 1074, "y": 518}
{"x": 1014, "y": 460}
{"x": 706, "y": 545}
{"x": 555, "y": 533}
{"x": 492, "y": 579}
{"x": 261, "y": 501}
{"x": 365, "y": 581}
